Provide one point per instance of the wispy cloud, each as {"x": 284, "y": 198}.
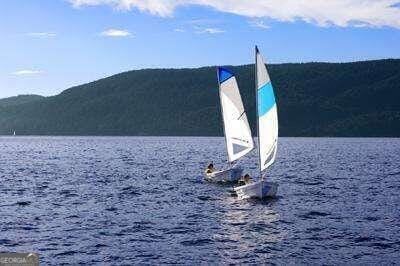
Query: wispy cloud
{"x": 210, "y": 30}
{"x": 41, "y": 34}
{"x": 27, "y": 72}
{"x": 258, "y": 24}
{"x": 343, "y": 13}
{"x": 203, "y": 21}
{"x": 204, "y": 26}
{"x": 115, "y": 33}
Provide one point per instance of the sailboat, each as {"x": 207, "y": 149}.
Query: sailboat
{"x": 238, "y": 138}
{"x": 14, "y": 133}
{"x": 267, "y": 126}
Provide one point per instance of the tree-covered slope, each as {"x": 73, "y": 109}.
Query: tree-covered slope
{"x": 20, "y": 99}
{"x": 314, "y": 99}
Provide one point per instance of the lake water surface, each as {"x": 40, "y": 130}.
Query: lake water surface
{"x": 136, "y": 200}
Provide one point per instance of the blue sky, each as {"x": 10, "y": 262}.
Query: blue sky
{"x": 49, "y": 45}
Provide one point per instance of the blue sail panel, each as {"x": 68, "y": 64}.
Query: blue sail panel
{"x": 224, "y": 74}
{"x": 266, "y": 99}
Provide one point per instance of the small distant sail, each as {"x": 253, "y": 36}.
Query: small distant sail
{"x": 238, "y": 136}
{"x": 267, "y": 115}
{"x": 14, "y": 133}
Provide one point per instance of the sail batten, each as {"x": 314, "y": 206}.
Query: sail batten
{"x": 267, "y": 115}
{"x": 237, "y": 131}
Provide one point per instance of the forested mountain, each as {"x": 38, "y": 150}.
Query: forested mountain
{"x": 19, "y": 99}
{"x": 314, "y": 99}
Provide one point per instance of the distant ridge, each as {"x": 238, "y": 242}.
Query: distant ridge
{"x": 20, "y": 99}
{"x": 358, "y": 99}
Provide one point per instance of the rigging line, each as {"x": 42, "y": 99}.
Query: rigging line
{"x": 241, "y": 115}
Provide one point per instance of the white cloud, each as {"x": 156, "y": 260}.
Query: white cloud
{"x": 27, "y": 72}
{"x": 210, "y": 30}
{"x": 115, "y": 33}
{"x": 259, "y": 24}
{"x": 162, "y": 8}
{"x": 343, "y": 13}
{"x": 41, "y": 34}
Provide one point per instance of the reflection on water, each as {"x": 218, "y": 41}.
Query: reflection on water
{"x": 253, "y": 233}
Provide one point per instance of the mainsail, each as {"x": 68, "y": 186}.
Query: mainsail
{"x": 237, "y": 130}
{"x": 267, "y": 115}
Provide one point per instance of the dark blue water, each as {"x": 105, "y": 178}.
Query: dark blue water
{"x": 142, "y": 200}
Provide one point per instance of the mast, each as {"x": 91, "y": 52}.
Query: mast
{"x": 257, "y": 118}
{"x": 222, "y": 114}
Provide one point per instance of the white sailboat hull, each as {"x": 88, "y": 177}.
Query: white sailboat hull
{"x": 260, "y": 189}
{"x": 224, "y": 176}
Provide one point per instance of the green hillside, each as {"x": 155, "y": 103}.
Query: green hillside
{"x": 20, "y": 99}
{"x": 314, "y": 99}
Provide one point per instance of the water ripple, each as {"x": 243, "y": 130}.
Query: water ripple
{"x": 142, "y": 200}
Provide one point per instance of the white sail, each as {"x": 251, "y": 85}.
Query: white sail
{"x": 266, "y": 114}
{"x": 237, "y": 130}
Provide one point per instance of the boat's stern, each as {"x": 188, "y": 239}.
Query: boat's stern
{"x": 228, "y": 175}
{"x": 269, "y": 189}
{"x": 260, "y": 189}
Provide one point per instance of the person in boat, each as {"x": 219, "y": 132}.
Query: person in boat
{"x": 245, "y": 180}
{"x": 210, "y": 168}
